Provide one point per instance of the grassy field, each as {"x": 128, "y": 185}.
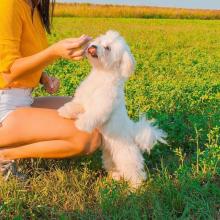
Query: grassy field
{"x": 115, "y": 11}
{"x": 177, "y": 81}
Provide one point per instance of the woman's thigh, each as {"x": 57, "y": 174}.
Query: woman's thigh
{"x": 30, "y": 125}
{"x": 51, "y": 102}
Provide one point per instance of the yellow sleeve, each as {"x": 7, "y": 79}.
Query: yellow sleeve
{"x": 10, "y": 33}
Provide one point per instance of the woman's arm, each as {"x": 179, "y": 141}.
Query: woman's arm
{"x": 72, "y": 48}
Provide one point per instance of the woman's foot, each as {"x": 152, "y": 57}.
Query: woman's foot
{"x": 8, "y": 168}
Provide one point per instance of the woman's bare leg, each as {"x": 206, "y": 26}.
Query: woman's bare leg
{"x": 38, "y": 132}
{"x": 54, "y": 149}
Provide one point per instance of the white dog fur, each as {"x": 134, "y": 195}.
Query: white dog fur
{"x": 101, "y": 95}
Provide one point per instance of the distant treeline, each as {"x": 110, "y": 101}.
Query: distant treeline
{"x": 94, "y": 10}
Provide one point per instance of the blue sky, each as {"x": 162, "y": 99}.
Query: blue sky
{"x": 203, "y": 4}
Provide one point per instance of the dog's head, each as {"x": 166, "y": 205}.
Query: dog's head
{"x": 111, "y": 53}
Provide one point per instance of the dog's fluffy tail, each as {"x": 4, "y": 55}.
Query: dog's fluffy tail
{"x": 147, "y": 135}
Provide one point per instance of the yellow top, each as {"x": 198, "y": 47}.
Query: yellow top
{"x": 20, "y": 36}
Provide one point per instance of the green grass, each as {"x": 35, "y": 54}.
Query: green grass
{"x": 177, "y": 81}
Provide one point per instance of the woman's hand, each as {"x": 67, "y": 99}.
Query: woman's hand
{"x": 71, "y": 48}
{"x": 50, "y": 83}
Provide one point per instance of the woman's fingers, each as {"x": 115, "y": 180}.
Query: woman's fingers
{"x": 72, "y": 39}
{"x": 80, "y": 53}
{"x": 55, "y": 85}
{"x": 52, "y": 85}
{"x": 78, "y": 58}
{"x": 79, "y": 42}
{"x": 77, "y": 53}
{"x": 71, "y": 48}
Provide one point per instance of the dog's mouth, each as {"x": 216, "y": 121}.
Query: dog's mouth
{"x": 92, "y": 50}
{"x": 94, "y": 55}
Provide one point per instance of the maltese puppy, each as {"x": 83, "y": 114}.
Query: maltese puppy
{"x": 101, "y": 96}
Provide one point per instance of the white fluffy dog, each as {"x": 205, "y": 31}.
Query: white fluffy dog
{"x": 101, "y": 95}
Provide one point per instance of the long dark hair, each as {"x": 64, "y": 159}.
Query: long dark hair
{"x": 46, "y": 9}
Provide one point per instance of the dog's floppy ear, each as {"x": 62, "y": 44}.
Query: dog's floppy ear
{"x": 127, "y": 64}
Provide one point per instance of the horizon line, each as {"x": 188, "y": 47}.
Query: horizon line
{"x": 137, "y": 5}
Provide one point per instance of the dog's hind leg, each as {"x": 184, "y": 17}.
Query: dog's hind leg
{"x": 108, "y": 164}
{"x": 128, "y": 164}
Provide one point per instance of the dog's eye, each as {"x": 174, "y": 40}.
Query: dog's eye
{"x": 107, "y": 48}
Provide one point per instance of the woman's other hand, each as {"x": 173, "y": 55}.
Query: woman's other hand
{"x": 71, "y": 48}
{"x": 51, "y": 84}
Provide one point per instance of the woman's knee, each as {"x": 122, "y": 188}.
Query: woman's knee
{"x": 86, "y": 143}
{"x": 96, "y": 141}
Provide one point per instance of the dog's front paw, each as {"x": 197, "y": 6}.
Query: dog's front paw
{"x": 70, "y": 110}
{"x": 84, "y": 125}
{"x": 62, "y": 111}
